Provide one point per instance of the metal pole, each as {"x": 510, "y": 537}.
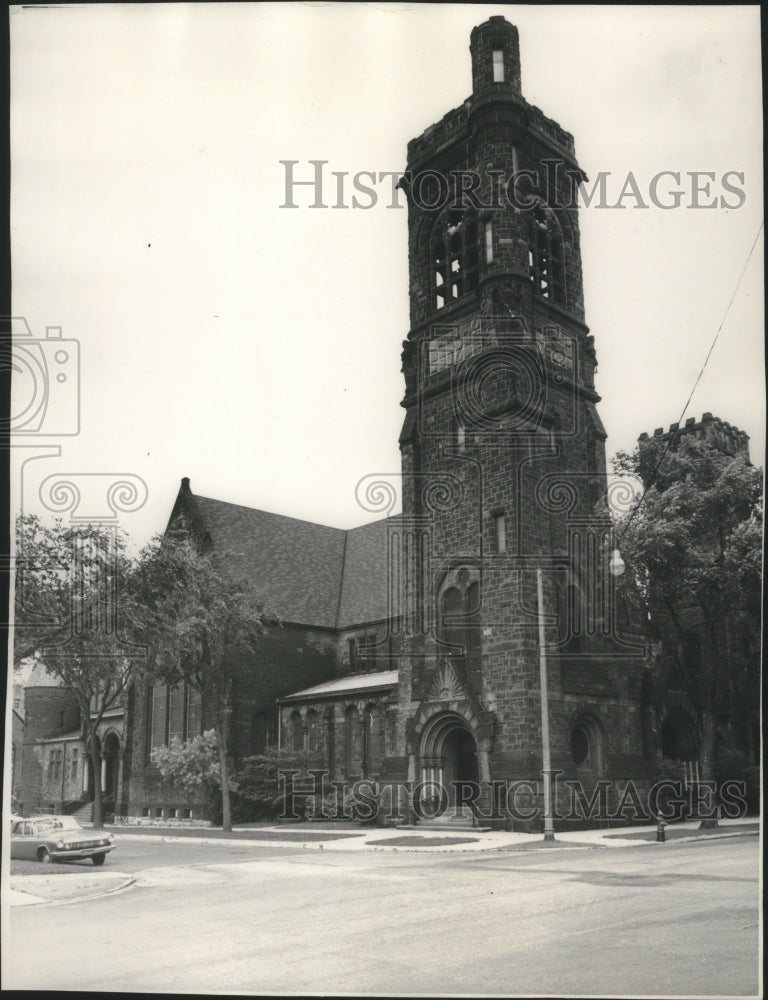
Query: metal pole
{"x": 549, "y": 830}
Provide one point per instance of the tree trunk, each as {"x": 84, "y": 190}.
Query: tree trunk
{"x": 708, "y": 724}
{"x": 707, "y": 757}
{"x": 98, "y": 813}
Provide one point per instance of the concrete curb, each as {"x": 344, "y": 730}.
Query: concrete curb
{"x": 37, "y": 900}
{"x": 709, "y": 836}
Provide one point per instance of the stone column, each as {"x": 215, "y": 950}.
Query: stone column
{"x": 483, "y": 764}
{"x": 119, "y": 795}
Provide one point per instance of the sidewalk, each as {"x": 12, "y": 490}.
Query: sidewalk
{"x": 28, "y": 890}
{"x": 25, "y": 890}
{"x": 328, "y": 836}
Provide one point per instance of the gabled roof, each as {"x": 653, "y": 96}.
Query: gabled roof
{"x": 308, "y": 573}
{"x": 364, "y": 581}
{"x": 33, "y": 673}
{"x": 382, "y": 680}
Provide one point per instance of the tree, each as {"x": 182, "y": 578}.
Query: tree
{"x": 692, "y": 546}
{"x": 76, "y": 611}
{"x": 199, "y": 619}
{"x": 191, "y": 765}
{"x": 259, "y": 780}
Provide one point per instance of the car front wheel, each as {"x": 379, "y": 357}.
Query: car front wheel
{"x": 45, "y": 857}
{"x": 98, "y": 859}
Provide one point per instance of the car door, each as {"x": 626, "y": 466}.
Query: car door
{"x": 22, "y": 841}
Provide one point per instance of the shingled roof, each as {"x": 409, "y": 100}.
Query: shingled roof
{"x": 381, "y": 681}
{"x": 309, "y": 573}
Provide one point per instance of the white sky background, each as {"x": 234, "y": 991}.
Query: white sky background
{"x": 257, "y": 349}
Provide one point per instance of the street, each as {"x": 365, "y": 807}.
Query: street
{"x": 678, "y": 919}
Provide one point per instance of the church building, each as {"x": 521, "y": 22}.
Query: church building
{"x": 410, "y": 650}
{"x": 416, "y": 636}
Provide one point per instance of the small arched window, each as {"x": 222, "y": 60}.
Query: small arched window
{"x": 297, "y": 731}
{"x": 313, "y": 731}
{"x": 546, "y": 256}
{"x": 453, "y": 633}
{"x": 352, "y": 748}
{"x": 454, "y": 263}
{"x": 460, "y": 623}
{"x": 570, "y": 615}
{"x": 587, "y": 744}
{"x": 372, "y": 740}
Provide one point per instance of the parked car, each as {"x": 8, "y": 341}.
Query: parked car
{"x": 58, "y": 838}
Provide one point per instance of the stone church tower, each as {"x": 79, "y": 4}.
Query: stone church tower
{"x": 503, "y": 458}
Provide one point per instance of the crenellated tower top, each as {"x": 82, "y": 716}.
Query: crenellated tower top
{"x": 718, "y": 433}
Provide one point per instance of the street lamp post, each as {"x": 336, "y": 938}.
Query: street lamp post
{"x": 549, "y": 831}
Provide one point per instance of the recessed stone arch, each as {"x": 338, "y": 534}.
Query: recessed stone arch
{"x": 679, "y": 736}
{"x": 458, "y": 602}
{"x": 587, "y": 742}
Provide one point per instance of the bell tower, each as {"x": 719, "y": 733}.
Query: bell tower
{"x": 503, "y": 451}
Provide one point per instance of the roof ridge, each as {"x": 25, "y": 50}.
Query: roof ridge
{"x": 272, "y": 513}
{"x": 341, "y": 579}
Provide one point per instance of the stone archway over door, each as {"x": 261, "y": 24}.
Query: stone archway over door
{"x": 448, "y": 754}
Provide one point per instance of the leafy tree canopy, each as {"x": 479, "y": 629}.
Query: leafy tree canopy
{"x": 200, "y": 618}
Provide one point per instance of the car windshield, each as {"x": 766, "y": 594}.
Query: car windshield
{"x": 69, "y": 823}
{"x": 46, "y": 825}
{"x": 57, "y": 823}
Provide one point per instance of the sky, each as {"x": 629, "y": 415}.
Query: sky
{"x": 256, "y": 348}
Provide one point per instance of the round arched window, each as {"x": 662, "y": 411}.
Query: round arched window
{"x": 587, "y": 744}
{"x": 580, "y": 745}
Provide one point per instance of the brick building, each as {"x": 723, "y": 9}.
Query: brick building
{"x": 409, "y": 650}
{"x": 53, "y": 772}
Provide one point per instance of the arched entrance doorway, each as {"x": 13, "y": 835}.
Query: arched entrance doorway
{"x": 448, "y": 759}
{"x": 680, "y": 743}
{"x": 460, "y": 752}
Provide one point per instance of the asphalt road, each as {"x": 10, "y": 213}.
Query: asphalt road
{"x": 678, "y": 919}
